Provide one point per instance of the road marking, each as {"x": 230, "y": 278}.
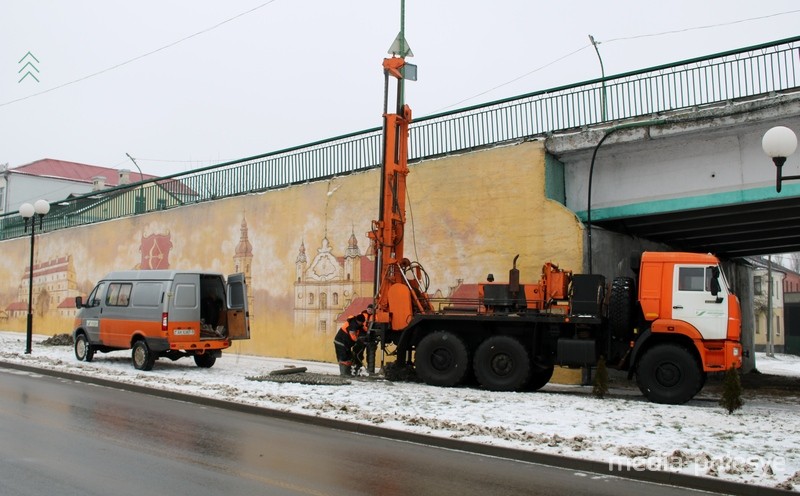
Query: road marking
{"x": 22, "y": 372}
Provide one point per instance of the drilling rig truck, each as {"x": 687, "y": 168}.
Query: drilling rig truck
{"x": 676, "y": 321}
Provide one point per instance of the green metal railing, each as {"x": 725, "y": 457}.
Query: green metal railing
{"x": 759, "y": 70}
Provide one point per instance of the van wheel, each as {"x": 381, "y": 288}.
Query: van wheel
{"x": 83, "y": 350}
{"x": 143, "y": 358}
{"x": 205, "y": 361}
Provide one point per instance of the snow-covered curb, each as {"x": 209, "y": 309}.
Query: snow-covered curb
{"x": 759, "y": 444}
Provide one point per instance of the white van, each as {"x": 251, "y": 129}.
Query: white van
{"x": 162, "y": 313}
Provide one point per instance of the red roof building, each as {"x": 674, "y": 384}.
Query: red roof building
{"x": 55, "y": 180}
{"x": 83, "y": 173}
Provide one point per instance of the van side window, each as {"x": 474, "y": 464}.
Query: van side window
{"x": 119, "y": 294}
{"x": 692, "y": 279}
{"x": 147, "y": 294}
{"x": 186, "y": 296}
{"x": 236, "y": 295}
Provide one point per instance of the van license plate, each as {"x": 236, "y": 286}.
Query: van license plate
{"x": 184, "y": 332}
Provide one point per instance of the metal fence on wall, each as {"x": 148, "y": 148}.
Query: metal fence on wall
{"x": 737, "y": 74}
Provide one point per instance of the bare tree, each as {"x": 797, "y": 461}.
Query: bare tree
{"x": 791, "y": 261}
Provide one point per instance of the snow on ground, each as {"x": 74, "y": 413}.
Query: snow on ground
{"x": 758, "y": 444}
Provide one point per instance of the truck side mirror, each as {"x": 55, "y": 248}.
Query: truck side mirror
{"x": 78, "y": 302}
{"x": 715, "y": 288}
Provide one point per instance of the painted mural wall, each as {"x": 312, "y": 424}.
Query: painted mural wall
{"x": 305, "y": 250}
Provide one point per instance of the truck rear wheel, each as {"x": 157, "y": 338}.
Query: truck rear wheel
{"x": 83, "y": 350}
{"x": 540, "y": 376}
{"x": 441, "y": 359}
{"x": 143, "y": 358}
{"x": 502, "y": 364}
{"x": 668, "y": 374}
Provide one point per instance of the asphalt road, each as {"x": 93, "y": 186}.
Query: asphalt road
{"x": 60, "y": 436}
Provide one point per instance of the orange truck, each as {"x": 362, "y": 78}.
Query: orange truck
{"x": 680, "y": 324}
{"x": 669, "y": 327}
{"x": 162, "y": 314}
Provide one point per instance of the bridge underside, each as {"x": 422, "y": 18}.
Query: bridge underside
{"x": 735, "y": 230}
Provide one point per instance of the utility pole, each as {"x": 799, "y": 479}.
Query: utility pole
{"x": 603, "y": 75}
{"x": 770, "y": 345}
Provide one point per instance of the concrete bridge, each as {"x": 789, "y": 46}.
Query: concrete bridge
{"x": 696, "y": 180}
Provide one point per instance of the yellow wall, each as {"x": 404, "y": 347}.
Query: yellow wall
{"x": 472, "y": 214}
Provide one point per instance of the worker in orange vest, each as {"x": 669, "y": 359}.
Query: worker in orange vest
{"x": 360, "y": 345}
{"x": 345, "y": 339}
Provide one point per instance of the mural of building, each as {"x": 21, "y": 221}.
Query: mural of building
{"x": 328, "y": 285}
{"x": 306, "y": 263}
{"x": 54, "y": 287}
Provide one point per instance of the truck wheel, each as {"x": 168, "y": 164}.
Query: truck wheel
{"x": 441, "y": 359}
{"x": 540, "y": 376}
{"x": 702, "y": 382}
{"x": 205, "y": 361}
{"x": 502, "y": 364}
{"x": 621, "y": 304}
{"x": 143, "y": 358}
{"x": 83, "y": 350}
{"x": 668, "y": 374}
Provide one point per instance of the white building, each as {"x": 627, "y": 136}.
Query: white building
{"x": 55, "y": 180}
{"x": 765, "y": 272}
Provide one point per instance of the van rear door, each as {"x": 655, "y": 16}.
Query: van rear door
{"x": 238, "y": 316}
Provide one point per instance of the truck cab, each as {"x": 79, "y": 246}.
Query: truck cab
{"x": 691, "y": 320}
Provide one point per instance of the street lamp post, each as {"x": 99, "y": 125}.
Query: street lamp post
{"x": 27, "y": 211}
{"x": 778, "y": 143}
{"x": 606, "y": 134}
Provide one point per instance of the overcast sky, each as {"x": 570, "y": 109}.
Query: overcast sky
{"x": 185, "y": 84}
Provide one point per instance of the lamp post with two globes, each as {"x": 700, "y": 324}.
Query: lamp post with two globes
{"x": 27, "y": 211}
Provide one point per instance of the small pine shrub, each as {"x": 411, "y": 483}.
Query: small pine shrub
{"x": 731, "y": 391}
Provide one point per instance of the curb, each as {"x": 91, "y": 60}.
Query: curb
{"x": 658, "y": 477}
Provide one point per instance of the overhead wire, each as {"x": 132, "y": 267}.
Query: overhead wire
{"x": 139, "y": 57}
{"x": 612, "y": 40}
{"x": 696, "y": 28}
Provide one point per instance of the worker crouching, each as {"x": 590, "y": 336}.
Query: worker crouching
{"x": 346, "y": 338}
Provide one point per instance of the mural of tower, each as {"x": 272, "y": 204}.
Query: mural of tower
{"x": 301, "y": 262}
{"x": 328, "y": 284}
{"x": 243, "y": 261}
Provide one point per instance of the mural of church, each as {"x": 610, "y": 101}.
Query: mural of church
{"x": 328, "y": 285}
